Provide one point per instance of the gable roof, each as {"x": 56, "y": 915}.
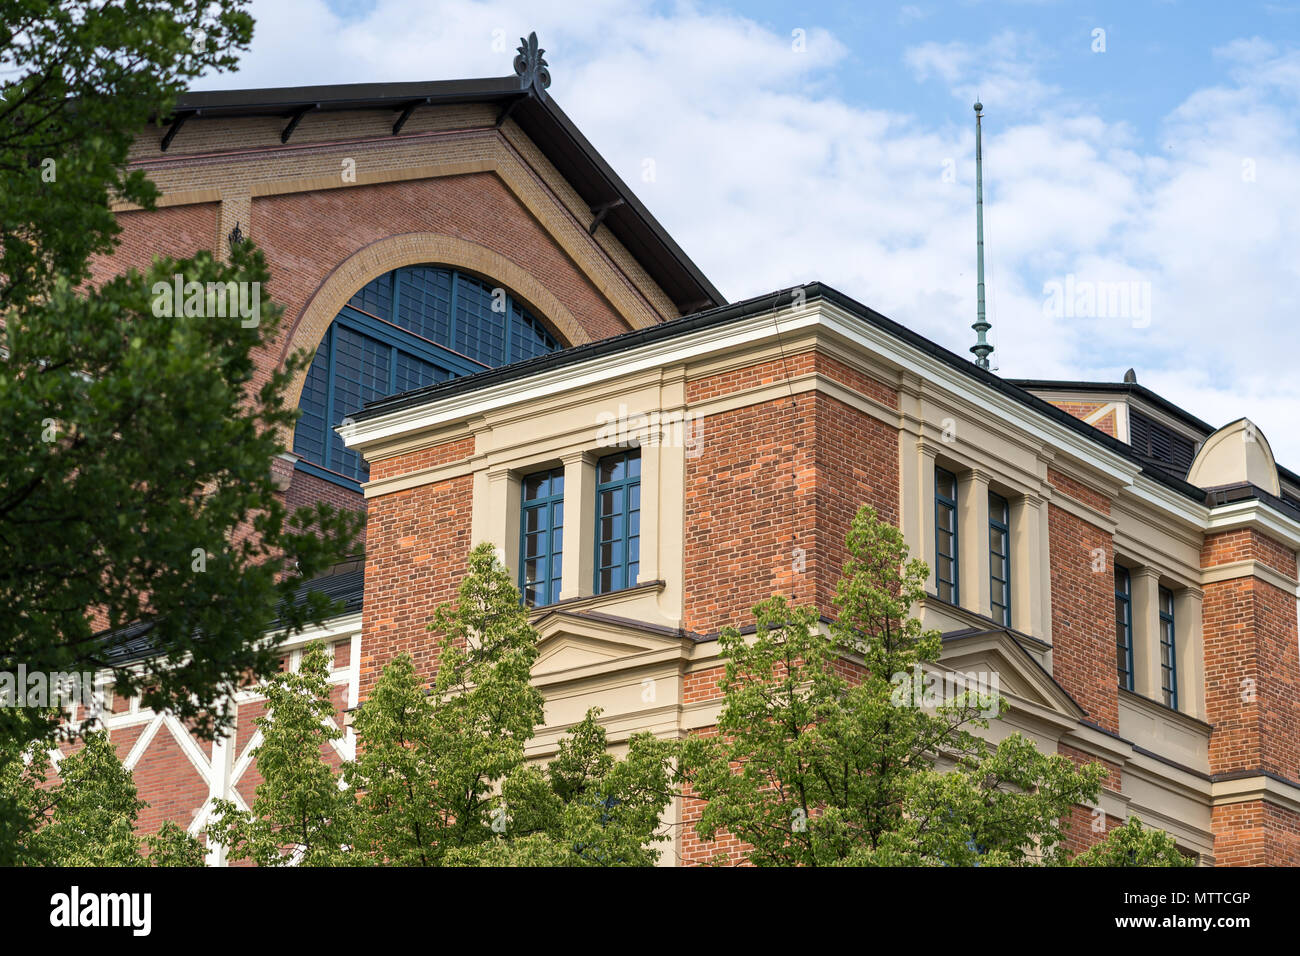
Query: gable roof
{"x": 538, "y": 115}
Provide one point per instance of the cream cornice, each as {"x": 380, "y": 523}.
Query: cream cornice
{"x": 1247, "y": 569}
{"x": 1260, "y": 787}
{"x": 1257, "y": 516}
{"x": 819, "y": 316}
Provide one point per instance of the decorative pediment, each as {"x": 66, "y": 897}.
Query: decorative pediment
{"x": 573, "y": 645}
{"x": 1021, "y": 679}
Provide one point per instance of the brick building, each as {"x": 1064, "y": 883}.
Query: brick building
{"x": 523, "y": 356}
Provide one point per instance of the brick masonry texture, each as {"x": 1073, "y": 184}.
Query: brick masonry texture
{"x": 774, "y": 477}
{"x": 418, "y": 543}
{"x": 1252, "y": 695}
{"x": 1083, "y": 612}
{"x": 1078, "y": 491}
{"x": 177, "y": 231}
{"x": 1245, "y": 544}
{"x": 1255, "y": 833}
{"x": 306, "y": 235}
{"x": 1082, "y": 821}
{"x": 431, "y": 457}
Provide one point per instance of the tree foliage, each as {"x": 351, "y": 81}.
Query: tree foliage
{"x": 135, "y": 484}
{"x": 441, "y": 776}
{"x": 301, "y": 815}
{"x": 89, "y": 815}
{"x": 819, "y": 761}
{"x": 1133, "y": 845}
{"x": 585, "y": 807}
{"x": 80, "y": 81}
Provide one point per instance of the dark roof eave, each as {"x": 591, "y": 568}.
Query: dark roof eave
{"x": 1134, "y": 388}
{"x": 540, "y": 117}
{"x": 1130, "y": 388}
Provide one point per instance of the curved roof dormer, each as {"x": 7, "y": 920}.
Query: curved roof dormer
{"x": 1238, "y": 453}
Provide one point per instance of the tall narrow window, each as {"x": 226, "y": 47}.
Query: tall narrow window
{"x": 541, "y": 537}
{"x": 1168, "y": 655}
{"x": 618, "y": 521}
{"x": 945, "y": 535}
{"x": 1000, "y": 558}
{"x": 1124, "y": 627}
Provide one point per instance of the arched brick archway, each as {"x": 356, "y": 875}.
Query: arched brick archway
{"x": 411, "y": 249}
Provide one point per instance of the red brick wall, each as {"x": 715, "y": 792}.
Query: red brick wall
{"x": 1245, "y": 544}
{"x": 306, "y": 235}
{"x": 176, "y": 231}
{"x": 1255, "y": 833}
{"x": 416, "y": 549}
{"x": 430, "y": 457}
{"x": 1083, "y": 615}
{"x": 1252, "y": 675}
{"x": 857, "y": 464}
{"x": 1078, "y": 491}
{"x": 777, "y": 476}
{"x": 772, "y": 477}
{"x": 1080, "y": 834}
{"x": 749, "y": 504}
{"x": 1252, "y": 694}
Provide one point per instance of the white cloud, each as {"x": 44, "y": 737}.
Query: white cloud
{"x": 767, "y": 178}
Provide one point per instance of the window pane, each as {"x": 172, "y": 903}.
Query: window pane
{"x": 611, "y": 528}
{"x": 359, "y": 362}
{"x": 613, "y": 468}
{"x": 535, "y": 486}
{"x": 611, "y": 579}
{"x": 945, "y": 484}
{"x": 611, "y": 553}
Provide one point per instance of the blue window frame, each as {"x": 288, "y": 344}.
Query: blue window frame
{"x": 945, "y": 535}
{"x": 1124, "y": 627}
{"x": 1168, "y": 652}
{"x": 1000, "y": 558}
{"x": 541, "y": 537}
{"x": 618, "y": 521}
{"x": 407, "y": 329}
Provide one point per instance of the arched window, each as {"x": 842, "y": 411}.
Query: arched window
{"x": 408, "y": 328}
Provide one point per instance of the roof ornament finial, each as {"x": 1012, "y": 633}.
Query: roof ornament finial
{"x": 531, "y": 65}
{"x": 981, "y": 348}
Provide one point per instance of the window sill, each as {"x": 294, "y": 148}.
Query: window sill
{"x": 979, "y": 620}
{"x": 1160, "y": 708}
{"x": 598, "y": 600}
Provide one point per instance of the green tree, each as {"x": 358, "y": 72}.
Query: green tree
{"x": 585, "y": 807}
{"x": 1133, "y": 845}
{"x": 300, "y": 816}
{"x": 135, "y": 485}
{"x": 841, "y": 765}
{"x": 441, "y": 775}
{"x": 89, "y": 815}
{"x": 81, "y": 80}
{"x": 463, "y": 738}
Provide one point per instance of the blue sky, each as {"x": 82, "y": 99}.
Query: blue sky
{"x": 1166, "y": 166}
